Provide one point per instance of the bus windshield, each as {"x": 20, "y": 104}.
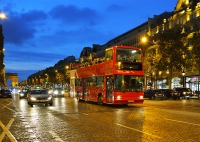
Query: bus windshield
{"x": 124, "y": 54}
{"x": 128, "y": 83}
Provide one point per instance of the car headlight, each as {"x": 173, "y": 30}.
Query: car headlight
{"x": 33, "y": 99}
{"x": 49, "y": 98}
{"x": 56, "y": 92}
{"x": 21, "y": 94}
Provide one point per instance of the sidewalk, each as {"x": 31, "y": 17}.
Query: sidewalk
{"x": 195, "y": 97}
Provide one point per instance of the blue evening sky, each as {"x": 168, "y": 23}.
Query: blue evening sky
{"x": 39, "y": 33}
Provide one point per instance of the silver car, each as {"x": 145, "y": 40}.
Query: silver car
{"x": 58, "y": 92}
{"x": 39, "y": 96}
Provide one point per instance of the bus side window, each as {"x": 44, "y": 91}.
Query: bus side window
{"x": 101, "y": 84}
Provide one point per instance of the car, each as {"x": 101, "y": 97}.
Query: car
{"x": 159, "y": 94}
{"x": 185, "y": 93}
{"x": 175, "y": 95}
{"x": 154, "y": 94}
{"x": 149, "y": 94}
{"x": 23, "y": 93}
{"x": 5, "y": 93}
{"x": 167, "y": 92}
{"x": 58, "y": 92}
{"x": 39, "y": 96}
{"x": 50, "y": 91}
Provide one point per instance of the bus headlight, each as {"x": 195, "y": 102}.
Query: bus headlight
{"x": 118, "y": 97}
{"x": 141, "y": 97}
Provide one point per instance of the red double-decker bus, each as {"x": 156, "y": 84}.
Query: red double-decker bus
{"x": 118, "y": 79}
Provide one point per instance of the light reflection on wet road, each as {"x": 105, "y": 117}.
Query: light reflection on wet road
{"x": 68, "y": 120}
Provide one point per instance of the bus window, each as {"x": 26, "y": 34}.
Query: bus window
{"x": 128, "y": 55}
{"x": 128, "y": 83}
{"x": 109, "y": 55}
{"x": 91, "y": 81}
{"x": 100, "y": 81}
{"x": 78, "y": 82}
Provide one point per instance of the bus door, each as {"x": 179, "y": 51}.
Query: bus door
{"x": 109, "y": 88}
{"x": 84, "y": 88}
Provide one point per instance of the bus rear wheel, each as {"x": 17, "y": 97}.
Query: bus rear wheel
{"x": 100, "y": 100}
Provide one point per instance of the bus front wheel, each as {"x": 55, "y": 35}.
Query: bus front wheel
{"x": 78, "y": 97}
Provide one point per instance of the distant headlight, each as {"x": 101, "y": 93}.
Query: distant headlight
{"x": 21, "y": 94}
{"x": 55, "y": 92}
{"x": 62, "y": 92}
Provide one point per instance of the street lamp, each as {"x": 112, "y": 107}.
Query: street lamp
{"x": 183, "y": 73}
{"x": 144, "y": 39}
{"x": 2, "y": 16}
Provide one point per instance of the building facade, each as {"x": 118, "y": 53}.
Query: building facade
{"x": 2, "y": 66}
{"x": 186, "y": 14}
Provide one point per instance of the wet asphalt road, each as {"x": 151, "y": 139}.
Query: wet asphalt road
{"x": 71, "y": 121}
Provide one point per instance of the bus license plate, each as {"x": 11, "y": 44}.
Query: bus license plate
{"x": 130, "y": 100}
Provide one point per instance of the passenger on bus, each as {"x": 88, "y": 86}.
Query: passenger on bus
{"x": 119, "y": 57}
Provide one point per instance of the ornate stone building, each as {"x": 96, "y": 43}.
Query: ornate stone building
{"x": 186, "y": 14}
{"x": 2, "y": 66}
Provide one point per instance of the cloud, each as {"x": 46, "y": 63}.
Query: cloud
{"x": 114, "y": 8}
{"x": 26, "y": 56}
{"x": 22, "y": 26}
{"x": 73, "y": 15}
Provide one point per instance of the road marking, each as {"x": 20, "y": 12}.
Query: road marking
{"x": 7, "y": 132}
{"x": 182, "y": 122}
{"x": 56, "y": 137}
{"x": 138, "y": 130}
{"x": 85, "y": 113}
{"x": 4, "y": 106}
{"x": 8, "y": 108}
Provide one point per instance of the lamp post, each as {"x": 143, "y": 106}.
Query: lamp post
{"x": 183, "y": 74}
{"x": 168, "y": 79}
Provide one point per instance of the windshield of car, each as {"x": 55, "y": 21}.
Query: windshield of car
{"x": 33, "y": 92}
{"x": 58, "y": 89}
{"x": 7, "y": 91}
{"x": 24, "y": 90}
{"x": 184, "y": 89}
{"x": 158, "y": 91}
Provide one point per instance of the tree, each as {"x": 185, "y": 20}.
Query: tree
{"x": 195, "y": 54}
{"x": 172, "y": 49}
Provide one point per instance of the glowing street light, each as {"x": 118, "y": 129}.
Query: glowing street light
{"x": 183, "y": 73}
{"x": 2, "y": 16}
{"x": 144, "y": 39}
